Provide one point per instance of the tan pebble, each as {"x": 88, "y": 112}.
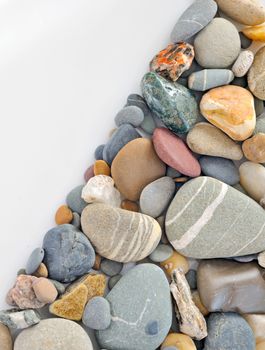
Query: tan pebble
{"x": 254, "y": 148}
{"x": 260, "y": 346}
{"x": 256, "y": 33}
{"x": 129, "y": 205}
{"x": 6, "y": 342}
{"x": 197, "y": 301}
{"x": 180, "y": 341}
{"x": 71, "y": 305}
{"x": 42, "y": 271}
{"x": 257, "y": 323}
{"x": 97, "y": 262}
{"x": 174, "y": 262}
{"x": 252, "y": 179}
{"x": 243, "y": 63}
{"x": 256, "y": 77}
{"x": 63, "y": 215}
{"x": 261, "y": 260}
{"x": 45, "y": 290}
{"x": 101, "y": 168}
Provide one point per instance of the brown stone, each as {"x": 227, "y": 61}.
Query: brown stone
{"x": 97, "y": 263}
{"x": 180, "y": 341}
{"x": 6, "y": 342}
{"x": 101, "y": 168}
{"x": 254, "y": 148}
{"x": 197, "y": 301}
{"x": 42, "y": 271}
{"x": 89, "y": 173}
{"x": 45, "y": 290}
{"x": 129, "y": 205}
{"x": 257, "y": 323}
{"x": 63, "y": 215}
{"x": 174, "y": 262}
{"x": 260, "y": 346}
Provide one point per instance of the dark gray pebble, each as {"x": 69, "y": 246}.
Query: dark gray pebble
{"x": 34, "y": 260}
{"x": 74, "y": 200}
{"x": 99, "y": 152}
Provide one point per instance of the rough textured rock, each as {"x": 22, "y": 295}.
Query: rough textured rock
{"x": 243, "y": 63}
{"x": 17, "y": 319}
{"x": 252, "y": 179}
{"x": 256, "y": 77}
{"x": 210, "y": 78}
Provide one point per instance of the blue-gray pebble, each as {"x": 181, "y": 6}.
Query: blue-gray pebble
{"x": 229, "y": 331}
{"x": 123, "y": 135}
{"x": 191, "y": 278}
{"x": 171, "y": 172}
{"x": 110, "y": 267}
{"x": 97, "y": 314}
{"x": 161, "y": 253}
{"x": 210, "y": 78}
{"x": 220, "y": 168}
{"x": 113, "y": 281}
{"x": 98, "y": 154}
{"x": 130, "y": 115}
{"x": 76, "y": 221}
{"x": 193, "y": 20}
{"x": 68, "y": 253}
{"x": 59, "y": 286}
{"x": 74, "y": 200}
{"x": 34, "y": 260}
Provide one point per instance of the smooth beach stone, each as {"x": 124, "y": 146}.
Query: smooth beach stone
{"x": 55, "y": 334}
{"x": 256, "y": 78}
{"x": 254, "y": 148}
{"x": 174, "y": 60}
{"x": 161, "y": 253}
{"x": 6, "y": 341}
{"x": 260, "y": 346}
{"x": 111, "y": 268}
{"x": 60, "y": 287}
{"x": 101, "y": 168}
{"x": 209, "y": 78}
{"x": 191, "y": 277}
{"x": 74, "y": 200}
{"x": 200, "y": 221}
{"x": 156, "y": 196}
{"x": 89, "y": 173}
{"x": 123, "y": 135}
{"x": 178, "y": 341}
{"x": 64, "y": 215}
{"x": 76, "y": 220}
{"x": 257, "y": 324}
{"x": 231, "y": 109}
{"x": 174, "y": 152}
{"x": 34, "y": 260}
{"x": 226, "y": 286}
{"x": 252, "y": 179}
{"x": 260, "y": 124}
{"x": 41, "y": 271}
{"x": 206, "y": 139}
{"x": 243, "y": 63}
{"x": 194, "y": 19}
{"x": 141, "y": 310}
{"x": 130, "y": 115}
{"x": 228, "y": 331}
{"x": 171, "y": 172}
{"x": 217, "y": 45}
{"x": 68, "y": 253}
{"x": 127, "y": 168}
{"x": 259, "y": 106}
{"x": 171, "y": 102}
{"x": 98, "y": 154}
{"x": 245, "y": 42}
{"x": 45, "y": 290}
{"x": 256, "y": 33}
{"x": 220, "y": 168}
{"x": 17, "y": 319}
{"x": 175, "y": 261}
{"x": 97, "y": 314}
{"x": 118, "y": 234}
{"x": 113, "y": 281}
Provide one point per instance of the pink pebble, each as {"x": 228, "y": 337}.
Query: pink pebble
{"x": 174, "y": 152}
{"x": 89, "y": 173}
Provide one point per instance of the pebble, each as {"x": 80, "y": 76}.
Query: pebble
{"x": 76, "y": 220}
{"x": 129, "y": 205}
{"x": 5, "y": 338}
{"x": 16, "y": 319}
{"x": 55, "y": 334}
{"x": 101, "y": 168}
{"x": 254, "y": 148}
{"x": 245, "y": 42}
{"x": 63, "y": 215}
{"x": 161, "y": 253}
{"x": 89, "y": 173}
{"x": 178, "y": 341}
{"x": 97, "y": 263}
{"x": 256, "y": 33}
{"x": 202, "y": 216}
{"x": 260, "y": 125}
{"x": 175, "y": 261}
{"x": 100, "y": 189}
{"x": 156, "y": 196}
{"x": 121, "y": 137}
{"x": 230, "y": 286}
{"x": 147, "y": 289}
{"x": 41, "y": 271}
{"x": 222, "y": 323}
{"x": 59, "y": 286}
{"x": 130, "y": 115}
{"x": 171, "y": 102}
{"x": 197, "y": 301}
{"x": 111, "y": 268}
{"x": 174, "y": 152}
{"x": 231, "y": 109}
{"x": 34, "y": 260}
{"x": 252, "y": 179}
{"x": 113, "y": 281}
{"x": 259, "y": 106}
{"x": 217, "y": 45}
{"x": 193, "y": 20}
{"x": 209, "y": 78}
{"x": 171, "y": 172}
{"x": 74, "y": 200}
{"x": 206, "y": 139}
{"x": 220, "y": 168}
{"x": 44, "y": 290}
{"x": 191, "y": 277}
{"x": 133, "y": 235}
{"x": 127, "y": 168}
{"x": 68, "y": 253}
{"x": 256, "y": 78}
{"x": 257, "y": 324}
{"x": 243, "y": 63}
{"x": 260, "y": 346}
{"x": 98, "y": 154}
{"x": 174, "y": 60}
{"x": 97, "y": 314}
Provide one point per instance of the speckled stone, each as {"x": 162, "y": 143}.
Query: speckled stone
{"x": 243, "y": 63}
{"x": 17, "y": 319}
{"x": 68, "y": 253}
{"x": 256, "y": 78}
{"x": 113, "y": 281}
{"x": 170, "y": 102}
{"x": 111, "y": 268}
{"x": 5, "y": 338}
{"x": 55, "y": 334}
{"x": 34, "y": 260}
{"x": 130, "y": 115}
{"x": 74, "y": 200}
{"x": 97, "y": 314}
{"x": 98, "y": 154}
{"x": 209, "y": 78}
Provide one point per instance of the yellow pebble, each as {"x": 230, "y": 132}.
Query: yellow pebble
{"x": 175, "y": 261}
{"x": 256, "y": 33}
{"x": 180, "y": 341}
{"x": 197, "y": 301}
{"x": 129, "y": 205}
{"x": 63, "y": 215}
{"x": 41, "y": 271}
{"x": 254, "y": 148}
{"x": 260, "y": 346}
{"x": 101, "y": 168}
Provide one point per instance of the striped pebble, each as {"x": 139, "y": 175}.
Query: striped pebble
{"x": 209, "y": 78}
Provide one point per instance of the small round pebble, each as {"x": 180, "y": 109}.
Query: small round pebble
{"x": 101, "y": 168}
{"x": 63, "y": 215}
{"x": 74, "y": 200}
{"x": 34, "y": 260}
{"x": 97, "y": 314}
{"x": 41, "y": 271}
{"x": 76, "y": 220}
{"x": 254, "y": 148}
{"x": 130, "y": 115}
{"x": 45, "y": 290}
{"x": 161, "y": 253}
{"x": 21, "y": 272}
{"x": 113, "y": 281}
{"x": 130, "y": 205}
{"x": 89, "y": 173}
{"x": 111, "y": 268}
{"x": 175, "y": 261}
{"x": 59, "y": 286}
{"x": 171, "y": 172}
{"x": 98, "y": 154}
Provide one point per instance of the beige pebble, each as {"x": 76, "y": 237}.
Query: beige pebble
{"x": 180, "y": 341}
{"x": 63, "y": 215}
{"x": 260, "y": 346}
{"x": 243, "y": 63}
{"x": 42, "y": 271}
{"x": 101, "y": 168}
{"x": 174, "y": 262}
{"x": 6, "y": 342}
{"x": 45, "y": 290}
{"x": 252, "y": 179}
{"x": 257, "y": 323}
{"x": 256, "y": 77}
{"x": 254, "y": 148}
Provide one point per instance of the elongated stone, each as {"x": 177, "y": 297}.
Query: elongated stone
{"x": 243, "y": 63}
{"x": 209, "y": 78}
{"x": 17, "y": 319}
{"x": 256, "y": 33}
{"x": 170, "y": 102}
{"x": 209, "y": 219}
{"x": 252, "y": 179}
{"x": 120, "y": 235}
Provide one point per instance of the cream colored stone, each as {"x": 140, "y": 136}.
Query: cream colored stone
{"x": 252, "y": 179}
{"x": 257, "y": 323}
{"x": 243, "y": 63}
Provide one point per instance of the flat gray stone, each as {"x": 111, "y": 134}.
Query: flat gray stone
{"x": 74, "y": 200}
{"x": 210, "y": 78}
{"x": 161, "y": 253}
{"x": 130, "y": 115}
{"x": 97, "y": 314}
{"x": 34, "y": 260}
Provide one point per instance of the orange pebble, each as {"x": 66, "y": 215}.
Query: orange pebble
{"x": 101, "y": 168}
{"x": 41, "y": 271}
{"x": 63, "y": 215}
{"x": 181, "y": 179}
{"x": 174, "y": 262}
{"x": 129, "y": 205}
{"x": 97, "y": 262}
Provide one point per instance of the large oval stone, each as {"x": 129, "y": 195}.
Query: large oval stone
{"x": 119, "y": 234}
{"x": 209, "y": 219}
{"x": 256, "y": 78}
{"x": 141, "y": 310}
{"x": 170, "y": 102}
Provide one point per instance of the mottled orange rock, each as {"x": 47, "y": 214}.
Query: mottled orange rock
{"x": 174, "y": 262}
{"x": 42, "y": 271}
{"x": 180, "y": 341}
{"x": 101, "y": 168}
{"x": 256, "y": 33}
{"x": 254, "y": 148}
{"x": 129, "y": 205}
{"x": 63, "y": 215}
{"x": 231, "y": 109}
